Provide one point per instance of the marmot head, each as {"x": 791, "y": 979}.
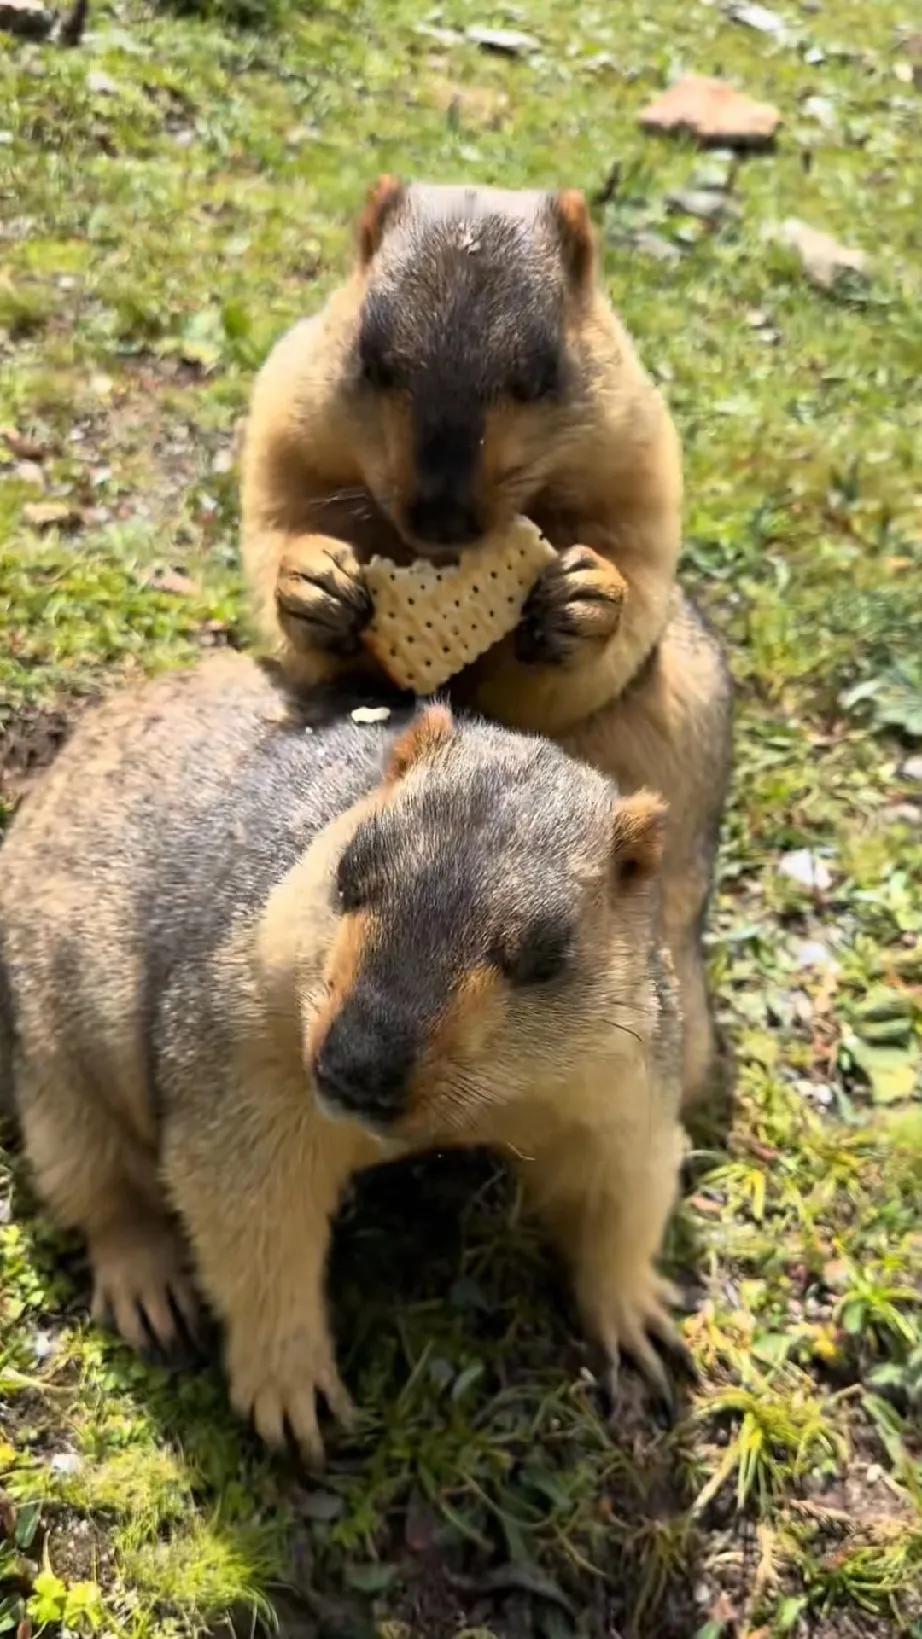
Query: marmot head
{"x": 496, "y": 919}
{"x": 465, "y": 374}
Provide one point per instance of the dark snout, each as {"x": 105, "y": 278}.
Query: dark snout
{"x": 443, "y": 509}
{"x": 366, "y": 1060}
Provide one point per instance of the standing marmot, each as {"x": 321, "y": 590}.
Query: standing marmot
{"x": 470, "y": 369}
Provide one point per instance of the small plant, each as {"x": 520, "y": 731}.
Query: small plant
{"x": 874, "y": 1306}
{"x": 873, "y": 1577}
{"x": 777, "y": 1439}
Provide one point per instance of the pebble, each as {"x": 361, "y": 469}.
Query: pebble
{"x": 66, "y": 1462}
{"x": 760, "y": 18}
{"x": 813, "y": 953}
{"x": 805, "y": 868}
{"x": 821, "y": 109}
{"x": 43, "y": 1346}
{"x": 822, "y": 257}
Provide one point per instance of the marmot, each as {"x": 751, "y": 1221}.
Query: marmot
{"x": 470, "y": 369}
{"x": 250, "y": 948}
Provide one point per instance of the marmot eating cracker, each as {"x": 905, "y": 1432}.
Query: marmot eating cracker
{"x": 471, "y": 370}
{"x": 248, "y": 951}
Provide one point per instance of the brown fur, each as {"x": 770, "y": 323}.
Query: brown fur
{"x": 328, "y": 470}
{"x": 180, "y": 941}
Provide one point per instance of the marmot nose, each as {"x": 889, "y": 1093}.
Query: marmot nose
{"x": 443, "y": 521}
{"x": 363, "y": 1067}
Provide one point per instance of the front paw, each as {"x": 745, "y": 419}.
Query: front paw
{"x": 627, "y": 1319}
{"x": 274, "y": 1382}
{"x": 321, "y": 596}
{"x": 576, "y": 601}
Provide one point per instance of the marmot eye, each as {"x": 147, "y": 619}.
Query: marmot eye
{"x": 348, "y": 887}
{"x": 543, "y": 954}
{"x": 377, "y": 373}
{"x": 540, "y": 382}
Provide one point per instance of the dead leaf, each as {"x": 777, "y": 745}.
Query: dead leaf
{"x": 22, "y": 446}
{"x": 714, "y": 112}
{"x": 836, "y": 1274}
{"x": 52, "y": 515}
{"x": 471, "y": 105}
{"x": 823, "y": 258}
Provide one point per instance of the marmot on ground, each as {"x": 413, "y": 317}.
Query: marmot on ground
{"x": 250, "y": 946}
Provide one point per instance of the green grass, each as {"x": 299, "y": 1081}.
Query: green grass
{"x": 177, "y": 191}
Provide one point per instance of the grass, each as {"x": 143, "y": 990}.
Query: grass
{"x": 176, "y": 191}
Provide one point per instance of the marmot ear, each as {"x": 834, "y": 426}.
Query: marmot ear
{"x": 381, "y": 203}
{"x": 637, "y": 836}
{"x": 429, "y": 731}
{"x": 571, "y": 218}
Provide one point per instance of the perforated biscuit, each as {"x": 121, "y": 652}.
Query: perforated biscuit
{"x": 430, "y": 622}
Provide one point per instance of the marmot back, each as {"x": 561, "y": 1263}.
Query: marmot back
{"x": 252, "y": 946}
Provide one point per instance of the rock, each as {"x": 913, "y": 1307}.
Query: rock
{"x": 707, "y": 204}
{"x": 911, "y": 769}
{"x": 27, "y": 18}
{"x": 66, "y": 1462}
{"x": 761, "y": 18}
{"x": 821, "y": 109}
{"x": 52, "y": 515}
{"x": 713, "y": 112}
{"x": 805, "y": 868}
{"x": 505, "y": 42}
{"x": 101, "y": 85}
{"x": 813, "y": 953}
{"x": 656, "y": 246}
{"x": 823, "y": 258}
{"x": 43, "y": 1346}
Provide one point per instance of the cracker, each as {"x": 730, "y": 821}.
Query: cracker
{"x": 431, "y": 621}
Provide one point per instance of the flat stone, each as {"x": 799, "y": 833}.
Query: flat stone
{"x": 713, "y": 112}
{"x": 823, "y": 258}
{"x": 506, "y": 42}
